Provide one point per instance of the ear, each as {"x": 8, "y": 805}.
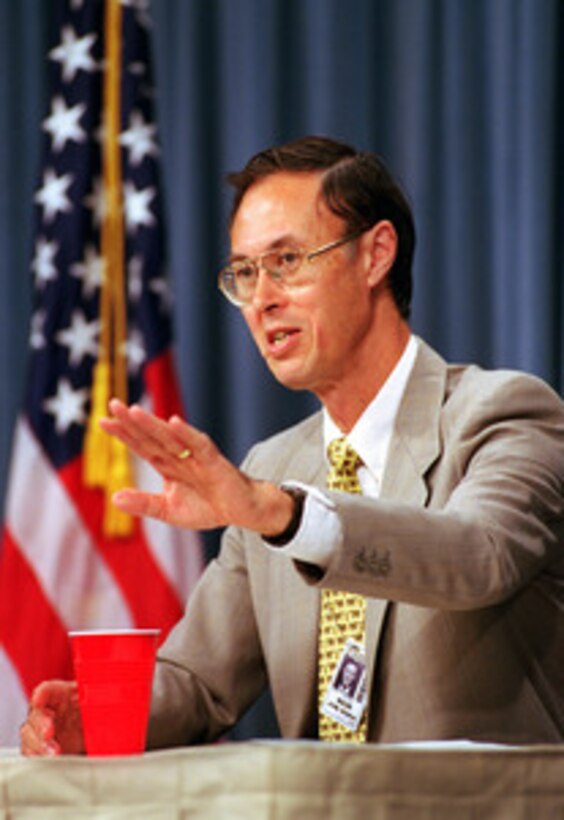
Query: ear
{"x": 382, "y": 247}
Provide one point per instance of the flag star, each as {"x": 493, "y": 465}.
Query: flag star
{"x": 161, "y": 289}
{"x": 134, "y": 350}
{"x": 63, "y": 123}
{"x": 90, "y": 270}
{"x": 67, "y": 405}
{"x": 81, "y": 338}
{"x": 135, "y": 277}
{"x": 136, "y": 206}
{"x": 37, "y": 336}
{"x": 53, "y": 195}
{"x": 43, "y": 263}
{"x": 73, "y": 53}
{"x": 139, "y": 139}
{"x": 96, "y": 201}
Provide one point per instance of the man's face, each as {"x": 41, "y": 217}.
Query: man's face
{"x": 310, "y": 337}
{"x": 349, "y": 674}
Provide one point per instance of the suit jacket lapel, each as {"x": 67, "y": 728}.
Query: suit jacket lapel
{"x": 414, "y": 446}
{"x": 298, "y": 676}
{"x": 415, "y": 441}
{"x": 308, "y": 464}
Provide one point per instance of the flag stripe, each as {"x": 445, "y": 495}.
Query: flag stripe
{"x": 55, "y": 542}
{"x": 39, "y": 641}
{"x": 143, "y": 585}
{"x": 162, "y": 388}
{"x": 13, "y": 702}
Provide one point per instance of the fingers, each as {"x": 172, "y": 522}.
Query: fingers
{"x": 140, "y": 503}
{"x": 37, "y": 735}
{"x": 143, "y": 432}
{"x": 172, "y": 447}
{"x": 51, "y": 693}
{"x": 53, "y": 707}
{"x": 201, "y": 487}
{"x": 136, "y": 428}
{"x": 38, "y": 732}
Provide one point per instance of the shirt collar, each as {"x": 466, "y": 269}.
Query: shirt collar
{"x": 372, "y": 433}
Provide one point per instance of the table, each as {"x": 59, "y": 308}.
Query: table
{"x": 281, "y": 779}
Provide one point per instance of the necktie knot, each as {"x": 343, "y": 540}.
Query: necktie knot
{"x": 345, "y": 462}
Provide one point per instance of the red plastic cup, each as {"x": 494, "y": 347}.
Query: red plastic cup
{"x": 114, "y": 671}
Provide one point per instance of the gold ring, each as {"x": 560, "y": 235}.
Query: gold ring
{"x": 186, "y": 453}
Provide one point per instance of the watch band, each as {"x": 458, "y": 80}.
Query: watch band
{"x": 298, "y": 496}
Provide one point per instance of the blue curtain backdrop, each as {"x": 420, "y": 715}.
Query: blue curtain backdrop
{"x": 463, "y": 98}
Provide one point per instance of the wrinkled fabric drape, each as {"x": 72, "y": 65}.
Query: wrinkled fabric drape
{"x": 463, "y": 98}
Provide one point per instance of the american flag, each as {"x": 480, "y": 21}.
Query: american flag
{"x": 61, "y": 566}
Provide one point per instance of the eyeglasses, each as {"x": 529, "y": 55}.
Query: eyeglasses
{"x": 238, "y": 280}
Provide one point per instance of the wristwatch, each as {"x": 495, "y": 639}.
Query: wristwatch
{"x": 298, "y": 496}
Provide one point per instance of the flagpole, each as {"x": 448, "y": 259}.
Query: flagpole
{"x": 107, "y": 462}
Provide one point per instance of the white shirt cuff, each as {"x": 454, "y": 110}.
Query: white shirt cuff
{"x": 320, "y": 531}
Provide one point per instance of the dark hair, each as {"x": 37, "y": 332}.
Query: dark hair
{"x": 356, "y": 186}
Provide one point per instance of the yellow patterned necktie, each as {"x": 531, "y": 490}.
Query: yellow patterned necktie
{"x": 342, "y": 613}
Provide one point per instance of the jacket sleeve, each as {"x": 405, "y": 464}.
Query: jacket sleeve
{"x": 494, "y": 514}
{"x": 211, "y": 667}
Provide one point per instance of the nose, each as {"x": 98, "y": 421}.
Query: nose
{"x": 268, "y": 292}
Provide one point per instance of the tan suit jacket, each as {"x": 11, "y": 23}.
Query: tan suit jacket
{"x": 461, "y": 558}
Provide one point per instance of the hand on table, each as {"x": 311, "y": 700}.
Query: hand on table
{"x": 53, "y": 725}
{"x": 202, "y": 489}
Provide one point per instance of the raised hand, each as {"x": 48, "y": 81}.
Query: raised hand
{"x": 202, "y": 489}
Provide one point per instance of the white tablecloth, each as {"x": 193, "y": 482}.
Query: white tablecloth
{"x": 302, "y": 780}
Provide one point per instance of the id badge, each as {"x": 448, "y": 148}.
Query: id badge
{"x": 347, "y": 695}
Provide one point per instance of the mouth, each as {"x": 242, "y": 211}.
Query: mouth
{"x": 278, "y": 337}
{"x": 280, "y": 340}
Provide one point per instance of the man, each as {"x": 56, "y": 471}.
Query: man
{"x": 348, "y": 678}
{"x": 448, "y": 541}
